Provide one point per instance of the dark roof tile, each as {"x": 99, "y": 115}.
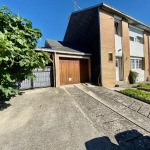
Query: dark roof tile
{"x": 65, "y": 46}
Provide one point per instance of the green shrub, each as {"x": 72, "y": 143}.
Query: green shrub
{"x": 146, "y": 85}
{"x": 133, "y": 74}
{"x": 136, "y": 93}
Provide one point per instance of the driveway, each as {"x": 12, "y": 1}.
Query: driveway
{"x": 72, "y": 118}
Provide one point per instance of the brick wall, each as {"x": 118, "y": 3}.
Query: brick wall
{"x": 107, "y": 46}
{"x": 126, "y": 50}
{"x": 146, "y": 60}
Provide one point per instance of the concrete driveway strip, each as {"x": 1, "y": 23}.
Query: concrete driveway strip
{"x": 45, "y": 119}
{"x": 122, "y": 130}
{"x": 129, "y": 108}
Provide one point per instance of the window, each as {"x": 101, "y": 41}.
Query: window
{"x": 117, "y": 28}
{"x": 132, "y": 64}
{"x": 136, "y": 63}
{"x": 139, "y": 39}
{"x": 110, "y": 57}
{"x": 131, "y": 38}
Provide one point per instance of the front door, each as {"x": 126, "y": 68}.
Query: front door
{"x": 117, "y": 69}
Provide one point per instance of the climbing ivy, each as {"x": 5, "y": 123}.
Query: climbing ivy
{"x": 18, "y": 58}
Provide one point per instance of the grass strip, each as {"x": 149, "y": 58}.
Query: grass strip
{"x": 138, "y": 94}
{"x": 144, "y": 85}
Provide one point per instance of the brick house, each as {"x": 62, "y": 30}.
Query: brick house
{"x": 101, "y": 45}
{"x": 118, "y": 43}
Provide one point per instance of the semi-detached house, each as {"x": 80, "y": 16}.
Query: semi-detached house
{"x": 118, "y": 43}
{"x": 108, "y": 44}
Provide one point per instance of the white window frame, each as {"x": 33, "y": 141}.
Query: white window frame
{"x": 136, "y": 63}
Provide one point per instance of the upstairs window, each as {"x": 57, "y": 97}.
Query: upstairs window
{"x": 117, "y": 26}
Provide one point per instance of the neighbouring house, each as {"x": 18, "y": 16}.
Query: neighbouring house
{"x": 101, "y": 45}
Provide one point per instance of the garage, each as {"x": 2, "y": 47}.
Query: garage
{"x": 71, "y": 63}
{"x": 73, "y": 70}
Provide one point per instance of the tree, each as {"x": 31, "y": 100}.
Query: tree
{"x": 18, "y": 58}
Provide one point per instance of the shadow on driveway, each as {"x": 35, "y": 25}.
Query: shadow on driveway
{"x": 128, "y": 140}
{"x": 3, "y": 100}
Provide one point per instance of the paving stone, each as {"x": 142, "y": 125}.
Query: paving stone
{"x": 128, "y": 102}
{"x": 125, "y": 111}
{"x": 120, "y": 98}
{"x": 144, "y": 110}
{"x": 135, "y": 106}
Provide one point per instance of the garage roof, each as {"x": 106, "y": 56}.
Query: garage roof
{"x": 63, "y": 47}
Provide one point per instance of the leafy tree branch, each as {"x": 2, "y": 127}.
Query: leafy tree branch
{"x": 18, "y": 58}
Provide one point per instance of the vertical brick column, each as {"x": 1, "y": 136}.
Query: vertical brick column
{"x": 126, "y": 50}
{"x": 146, "y": 55}
{"x": 107, "y": 46}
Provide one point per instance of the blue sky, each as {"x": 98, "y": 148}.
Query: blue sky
{"x": 51, "y": 16}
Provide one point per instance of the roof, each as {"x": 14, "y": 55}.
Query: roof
{"x": 121, "y": 14}
{"x": 63, "y": 47}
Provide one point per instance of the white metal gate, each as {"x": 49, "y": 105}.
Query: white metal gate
{"x": 44, "y": 78}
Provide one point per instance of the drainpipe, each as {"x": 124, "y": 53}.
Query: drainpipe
{"x": 55, "y": 68}
{"x": 100, "y": 49}
{"x": 148, "y": 53}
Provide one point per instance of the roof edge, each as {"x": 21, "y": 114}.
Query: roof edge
{"x": 123, "y": 14}
{"x": 62, "y": 52}
{"x": 103, "y": 5}
{"x": 98, "y": 5}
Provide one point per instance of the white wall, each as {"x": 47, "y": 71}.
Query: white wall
{"x": 118, "y": 38}
{"x": 118, "y": 45}
{"x": 136, "y": 48}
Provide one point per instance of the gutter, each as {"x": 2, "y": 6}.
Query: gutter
{"x": 62, "y": 52}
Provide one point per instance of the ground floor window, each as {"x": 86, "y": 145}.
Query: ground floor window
{"x": 136, "y": 63}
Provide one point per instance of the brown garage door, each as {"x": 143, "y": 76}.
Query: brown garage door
{"x": 73, "y": 71}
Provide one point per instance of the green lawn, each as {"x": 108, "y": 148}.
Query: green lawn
{"x": 137, "y": 94}
{"x": 144, "y": 85}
